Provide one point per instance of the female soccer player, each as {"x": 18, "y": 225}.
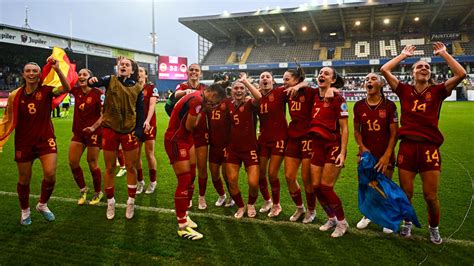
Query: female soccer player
{"x": 200, "y": 135}
{"x": 179, "y": 146}
{"x": 122, "y": 118}
{"x": 272, "y": 140}
{"x": 419, "y": 132}
{"x": 243, "y": 145}
{"x": 219, "y": 138}
{"x": 299, "y": 148}
{"x": 34, "y": 137}
{"x": 330, "y": 135}
{"x": 375, "y": 129}
{"x": 87, "y": 133}
{"x": 150, "y": 94}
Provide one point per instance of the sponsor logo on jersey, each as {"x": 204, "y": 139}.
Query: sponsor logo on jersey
{"x": 364, "y": 114}
{"x": 382, "y": 113}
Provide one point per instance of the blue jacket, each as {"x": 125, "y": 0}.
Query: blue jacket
{"x": 380, "y": 199}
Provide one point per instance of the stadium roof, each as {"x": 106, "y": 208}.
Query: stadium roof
{"x": 320, "y": 21}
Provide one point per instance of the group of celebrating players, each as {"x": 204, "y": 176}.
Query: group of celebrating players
{"x": 207, "y": 125}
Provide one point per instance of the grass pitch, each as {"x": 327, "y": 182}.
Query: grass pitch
{"x": 82, "y": 234}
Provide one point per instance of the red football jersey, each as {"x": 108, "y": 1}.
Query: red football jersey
{"x": 150, "y": 91}
{"x": 201, "y": 129}
{"x": 300, "y": 112}
{"x": 375, "y": 121}
{"x": 273, "y": 125}
{"x": 190, "y": 104}
{"x": 420, "y": 111}
{"x": 219, "y": 125}
{"x": 34, "y": 117}
{"x": 326, "y": 113}
{"x": 243, "y": 136}
{"x": 86, "y": 108}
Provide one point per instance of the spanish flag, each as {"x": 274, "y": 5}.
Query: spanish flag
{"x": 50, "y": 78}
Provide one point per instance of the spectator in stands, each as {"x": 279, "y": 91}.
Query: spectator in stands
{"x": 87, "y": 133}
{"x": 122, "y": 125}
{"x": 419, "y": 133}
{"x": 150, "y": 94}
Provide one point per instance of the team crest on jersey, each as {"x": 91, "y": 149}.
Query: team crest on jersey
{"x": 364, "y": 114}
{"x": 39, "y": 96}
{"x": 241, "y": 108}
{"x": 89, "y": 100}
{"x": 382, "y": 113}
{"x": 271, "y": 98}
{"x": 222, "y": 106}
{"x": 400, "y": 159}
{"x": 145, "y": 93}
{"x": 302, "y": 98}
{"x": 183, "y": 152}
{"x": 428, "y": 97}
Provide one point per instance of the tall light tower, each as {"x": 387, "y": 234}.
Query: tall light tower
{"x": 26, "y": 26}
{"x": 153, "y": 33}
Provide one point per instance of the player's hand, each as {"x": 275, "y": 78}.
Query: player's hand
{"x": 439, "y": 48}
{"x": 54, "y": 62}
{"x": 340, "y": 160}
{"x": 89, "y": 129}
{"x": 146, "y": 126}
{"x": 119, "y": 59}
{"x": 242, "y": 76}
{"x": 92, "y": 80}
{"x": 330, "y": 92}
{"x": 292, "y": 91}
{"x": 382, "y": 164}
{"x": 408, "y": 50}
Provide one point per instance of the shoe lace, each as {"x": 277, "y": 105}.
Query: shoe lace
{"x": 435, "y": 233}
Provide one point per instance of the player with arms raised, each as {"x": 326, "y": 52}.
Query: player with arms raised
{"x": 419, "y": 132}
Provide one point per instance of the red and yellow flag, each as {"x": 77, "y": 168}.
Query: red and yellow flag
{"x": 50, "y": 78}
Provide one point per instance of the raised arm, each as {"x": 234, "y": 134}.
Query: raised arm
{"x": 65, "y": 87}
{"x": 386, "y": 69}
{"x": 257, "y": 95}
{"x": 459, "y": 72}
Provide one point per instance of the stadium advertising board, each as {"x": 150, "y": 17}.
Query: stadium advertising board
{"x": 172, "y": 67}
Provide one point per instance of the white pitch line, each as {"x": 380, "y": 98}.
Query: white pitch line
{"x": 299, "y": 225}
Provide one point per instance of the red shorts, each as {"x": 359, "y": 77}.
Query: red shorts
{"x": 150, "y": 134}
{"x": 28, "y": 153}
{"x": 217, "y": 155}
{"x": 325, "y": 151}
{"x": 418, "y": 157}
{"x": 267, "y": 149}
{"x": 177, "y": 151}
{"x": 89, "y": 140}
{"x": 249, "y": 158}
{"x": 111, "y": 140}
{"x": 201, "y": 140}
{"x": 299, "y": 148}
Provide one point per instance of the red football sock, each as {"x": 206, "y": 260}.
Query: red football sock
{"x": 193, "y": 178}
{"x": 132, "y": 190}
{"x": 219, "y": 186}
{"x": 324, "y": 202}
{"x": 263, "y": 185}
{"x": 23, "y": 195}
{"x": 238, "y": 200}
{"x": 152, "y": 173}
{"x": 110, "y": 192}
{"x": 296, "y": 197}
{"x": 97, "y": 179}
{"x": 275, "y": 184}
{"x": 333, "y": 201}
{"x": 252, "y": 199}
{"x": 79, "y": 177}
{"x": 202, "y": 186}
{"x": 46, "y": 190}
{"x": 139, "y": 175}
{"x": 311, "y": 200}
{"x": 181, "y": 197}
